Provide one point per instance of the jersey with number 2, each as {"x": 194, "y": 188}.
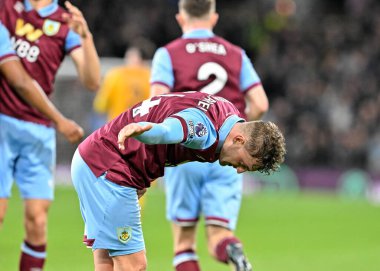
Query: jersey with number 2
{"x": 201, "y": 61}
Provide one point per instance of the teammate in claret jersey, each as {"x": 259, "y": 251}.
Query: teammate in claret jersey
{"x": 201, "y": 61}
{"x": 40, "y": 33}
{"x": 116, "y": 163}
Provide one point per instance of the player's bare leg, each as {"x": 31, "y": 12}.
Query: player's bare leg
{"x": 184, "y": 248}
{"x": 215, "y": 234}
{"x": 226, "y": 248}
{"x": 131, "y": 262}
{"x": 3, "y": 210}
{"x": 36, "y": 211}
{"x": 184, "y": 237}
{"x": 33, "y": 252}
{"x": 102, "y": 260}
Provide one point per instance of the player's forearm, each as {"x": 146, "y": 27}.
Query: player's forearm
{"x": 157, "y": 89}
{"x": 90, "y": 74}
{"x": 168, "y": 132}
{"x": 255, "y": 114}
{"x": 258, "y": 103}
{"x": 31, "y": 92}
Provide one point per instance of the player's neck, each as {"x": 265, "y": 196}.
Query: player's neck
{"x": 38, "y": 4}
{"x": 195, "y": 25}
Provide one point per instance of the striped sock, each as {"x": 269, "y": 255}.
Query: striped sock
{"x": 32, "y": 257}
{"x": 186, "y": 260}
{"x": 221, "y": 248}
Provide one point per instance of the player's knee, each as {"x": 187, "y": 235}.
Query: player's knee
{"x": 36, "y": 222}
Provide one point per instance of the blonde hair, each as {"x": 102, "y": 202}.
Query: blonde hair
{"x": 266, "y": 143}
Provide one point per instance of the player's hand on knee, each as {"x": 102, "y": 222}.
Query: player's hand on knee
{"x": 70, "y": 129}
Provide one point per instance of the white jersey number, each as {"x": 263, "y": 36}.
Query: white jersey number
{"x": 146, "y": 105}
{"x": 221, "y": 77}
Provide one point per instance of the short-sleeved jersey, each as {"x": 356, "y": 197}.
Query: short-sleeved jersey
{"x": 139, "y": 163}
{"x": 40, "y": 39}
{"x": 202, "y": 61}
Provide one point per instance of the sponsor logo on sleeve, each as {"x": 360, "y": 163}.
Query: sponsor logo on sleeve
{"x": 191, "y": 129}
{"x": 200, "y": 129}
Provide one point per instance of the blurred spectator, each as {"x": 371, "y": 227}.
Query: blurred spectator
{"x": 124, "y": 86}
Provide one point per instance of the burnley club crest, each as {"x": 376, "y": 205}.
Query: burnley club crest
{"x": 124, "y": 234}
{"x": 50, "y": 27}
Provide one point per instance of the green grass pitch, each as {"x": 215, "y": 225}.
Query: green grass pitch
{"x": 280, "y": 231}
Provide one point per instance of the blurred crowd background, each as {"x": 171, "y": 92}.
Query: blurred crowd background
{"x": 318, "y": 60}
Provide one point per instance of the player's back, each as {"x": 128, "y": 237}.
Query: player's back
{"x": 129, "y": 167}
{"x": 211, "y": 65}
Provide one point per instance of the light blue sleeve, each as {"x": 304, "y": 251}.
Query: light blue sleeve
{"x": 201, "y": 131}
{"x": 6, "y": 47}
{"x": 248, "y": 75}
{"x": 72, "y": 41}
{"x": 170, "y": 131}
{"x": 162, "y": 69}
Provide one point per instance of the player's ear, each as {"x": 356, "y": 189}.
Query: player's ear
{"x": 214, "y": 19}
{"x": 180, "y": 19}
{"x": 239, "y": 139}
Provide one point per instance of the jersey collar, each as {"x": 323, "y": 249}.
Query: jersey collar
{"x": 226, "y": 129}
{"x": 45, "y": 11}
{"x": 198, "y": 33}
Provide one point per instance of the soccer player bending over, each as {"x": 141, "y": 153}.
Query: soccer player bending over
{"x": 114, "y": 165}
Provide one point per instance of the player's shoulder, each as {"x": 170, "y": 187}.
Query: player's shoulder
{"x": 229, "y": 45}
{"x": 174, "y": 43}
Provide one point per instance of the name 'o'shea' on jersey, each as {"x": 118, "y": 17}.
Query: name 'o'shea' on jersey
{"x": 39, "y": 42}
{"x": 139, "y": 163}
{"x": 211, "y": 65}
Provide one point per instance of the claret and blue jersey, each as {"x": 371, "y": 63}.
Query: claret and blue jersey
{"x": 40, "y": 39}
{"x": 202, "y": 61}
{"x": 198, "y": 121}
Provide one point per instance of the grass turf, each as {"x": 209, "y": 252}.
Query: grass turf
{"x": 280, "y": 231}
